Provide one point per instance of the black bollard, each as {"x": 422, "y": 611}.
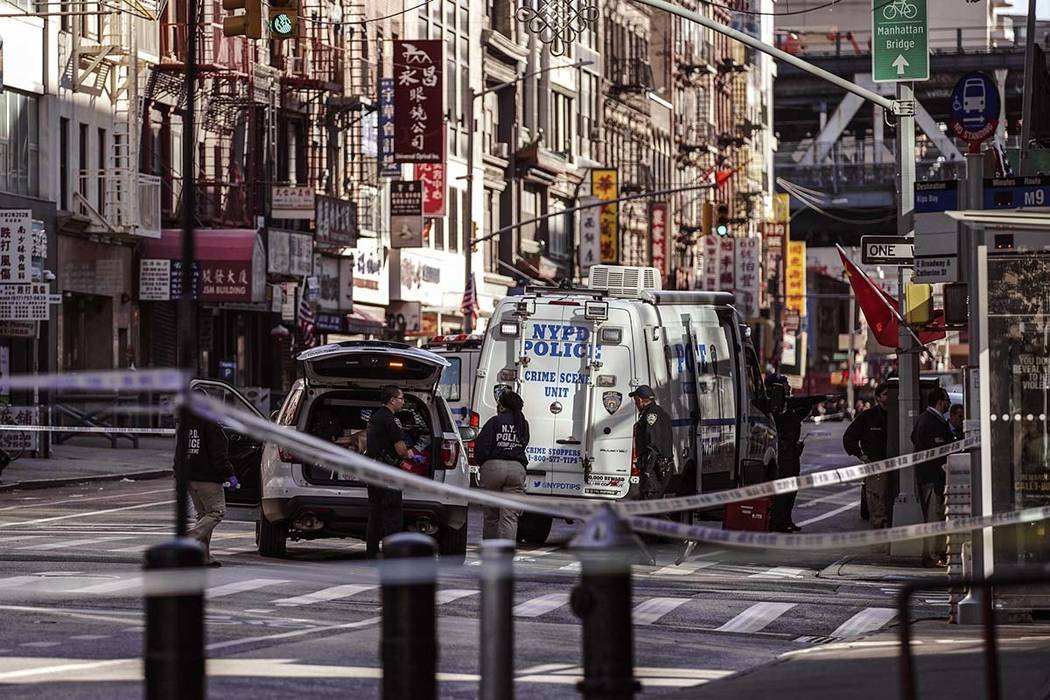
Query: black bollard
{"x": 174, "y": 642}
{"x": 409, "y": 647}
{"x": 497, "y": 620}
{"x": 602, "y": 600}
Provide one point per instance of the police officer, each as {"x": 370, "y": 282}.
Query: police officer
{"x": 653, "y": 443}
{"x": 932, "y": 430}
{"x": 500, "y": 450}
{"x": 385, "y": 442}
{"x": 866, "y": 439}
{"x": 205, "y": 453}
{"x": 789, "y": 450}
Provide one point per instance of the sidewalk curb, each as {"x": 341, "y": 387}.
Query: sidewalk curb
{"x": 51, "y": 483}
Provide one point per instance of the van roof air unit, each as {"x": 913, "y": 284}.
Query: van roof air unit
{"x": 625, "y": 281}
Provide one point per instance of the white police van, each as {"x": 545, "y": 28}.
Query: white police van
{"x": 574, "y": 355}
{"x": 463, "y": 352}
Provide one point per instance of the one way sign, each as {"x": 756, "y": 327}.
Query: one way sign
{"x": 887, "y": 250}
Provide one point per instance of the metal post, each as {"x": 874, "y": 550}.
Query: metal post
{"x": 981, "y": 548}
{"x": 602, "y": 600}
{"x": 906, "y": 509}
{"x": 497, "y": 620}
{"x": 852, "y": 355}
{"x": 408, "y": 647}
{"x": 1026, "y": 94}
{"x": 468, "y": 245}
{"x": 174, "y": 653}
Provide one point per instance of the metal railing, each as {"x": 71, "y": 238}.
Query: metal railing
{"x": 909, "y": 689}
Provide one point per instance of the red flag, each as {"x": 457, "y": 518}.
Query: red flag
{"x": 880, "y": 309}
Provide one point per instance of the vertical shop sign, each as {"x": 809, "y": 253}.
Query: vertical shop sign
{"x": 658, "y": 239}
{"x": 773, "y": 236}
{"x": 726, "y": 264}
{"x": 387, "y": 166}
{"x": 795, "y": 277}
{"x": 590, "y": 233}
{"x": 16, "y": 245}
{"x": 432, "y": 175}
{"x": 419, "y": 129}
{"x": 605, "y": 185}
{"x": 710, "y": 264}
{"x": 406, "y": 214}
{"x": 748, "y": 278}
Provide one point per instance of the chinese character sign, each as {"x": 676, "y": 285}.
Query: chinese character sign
{"x": 385, "y": 132}
{"x": 406, "y": 214}
{"x": 605, "y": 185}
{"x": 726, "y": 260}
{"x": 748, "y": 278}
{"x": 590, "y": 249}
{"x": 432, "y": 175}
{"x": 773, "y": 236}
{"x": 782, "y": 207}
{"x": 16, "y": 245}
{"x": 419, "y": 109}
{"x": 795, "y": 282}
{"x": 658, "y": 239}
{"x": 710, "y": 275}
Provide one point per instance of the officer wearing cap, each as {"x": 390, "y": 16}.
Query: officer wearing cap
{"x": 653, "y": 444}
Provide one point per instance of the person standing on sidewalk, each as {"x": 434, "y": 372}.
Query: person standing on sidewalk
{"x": 500, "y": 450}
{"x": 866, "y": 439}
{"x": 206, "y": 456}
{"x": 932, "y": 430}
{"x": 385, "y": 442}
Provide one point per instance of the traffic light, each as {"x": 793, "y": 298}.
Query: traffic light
{"x": 707, "y": 219}
{"x": 284, "y": 19}
{"x": 249, "y": 24}
{"x": 722, "y": 220}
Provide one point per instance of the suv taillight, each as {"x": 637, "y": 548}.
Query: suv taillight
{"x": 449, "y": 454}
{"x": 475, "y": 422}
{"x": 635, "y": 471}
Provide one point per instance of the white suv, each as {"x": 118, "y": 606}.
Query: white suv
{"x": 333, "y": 402}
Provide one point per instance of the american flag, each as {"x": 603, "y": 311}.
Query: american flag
{"x": 306, "y": 321}
{"x": 1002, "y": 165}
{"x": 469, "y": 305}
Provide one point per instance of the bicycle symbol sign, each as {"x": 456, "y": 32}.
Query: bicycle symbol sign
{"x": 899, "y": 40}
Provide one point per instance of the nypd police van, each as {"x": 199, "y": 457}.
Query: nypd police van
{"x": 574, "y": 355}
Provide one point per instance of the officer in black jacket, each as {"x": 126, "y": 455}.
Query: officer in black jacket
{"x": 205, "y": 453}
{"x": 653, "y": 443}
{"x": 789, "y": 448}
{"x": 866, "y": 439}
{"x": 933, "y": 430}
{"x": 501, "y": 451}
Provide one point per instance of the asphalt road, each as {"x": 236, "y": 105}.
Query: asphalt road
{"x": 70, "y": 597}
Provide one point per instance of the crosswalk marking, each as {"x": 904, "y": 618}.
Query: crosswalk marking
{"x": 829, "y": 514}
{"x": 780, "y": 572}
{"x": 449, "y": 595}
{"x": 571, "y": 566}
{"x": 241, "y": 586}
{"x": 542, "y": 605}
{"x": 325, "y": 594}
{"x": 71, "y": 543}
{"x": 867, "y": 620}
{"x": 685, "y": 568}
{"x": 653, "y": 609}
{"x": 756, "y": 618}
{"x": 852, "y": 493}
{"x": 111, "y": 586}
{"x": 16, "y": 581}
{"x": 530, "y": 554}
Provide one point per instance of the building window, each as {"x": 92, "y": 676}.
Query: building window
{"x": 63, "y": 164}
{"x": 82, "y": 161}
{"x": 560, "y": 140}
{"x": 102, "y": 170}
{"x": 19, "y": 143}
{"x": 559, "y": 229}
{"x": 452, "y": 25}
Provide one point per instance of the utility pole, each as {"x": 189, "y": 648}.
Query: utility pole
{"x": 1026, "y": 94}
{"x": 906, "y": 509}
{"x": 852, "y": 355}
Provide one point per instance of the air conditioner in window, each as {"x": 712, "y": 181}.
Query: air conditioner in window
{"x": 501, "y": 150}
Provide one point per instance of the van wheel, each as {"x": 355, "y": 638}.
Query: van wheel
{"x": 452, "y": 544}
{"x": 273, "y": 538}
{"x": 533, "y": 529}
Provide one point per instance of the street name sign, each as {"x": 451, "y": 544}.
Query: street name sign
{"x": 900, "y": 50}
{"x": 886, "y": 250}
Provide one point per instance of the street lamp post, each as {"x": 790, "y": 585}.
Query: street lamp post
{"x": 468, "y": 247}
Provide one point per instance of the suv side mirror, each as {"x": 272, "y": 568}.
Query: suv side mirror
{"x": 777, "y": 398}
{"x": 467, "y": 434}
{"x": 273, "y": 416}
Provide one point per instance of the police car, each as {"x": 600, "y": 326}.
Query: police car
{"x": 574, "y": 355}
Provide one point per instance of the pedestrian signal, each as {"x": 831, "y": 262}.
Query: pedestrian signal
{"x": 722, "y": 220}
{"x": 247, "y": 25}
{"x": 284, "y": 19}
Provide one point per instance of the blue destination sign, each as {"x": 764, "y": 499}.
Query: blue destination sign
{"x": 932, "y": 197}
{"x": 999, "y": 193}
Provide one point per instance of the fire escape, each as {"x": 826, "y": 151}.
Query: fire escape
{"x": 111, "y": 52}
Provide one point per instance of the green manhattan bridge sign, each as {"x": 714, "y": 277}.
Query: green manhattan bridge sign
{"x": 900, "y": 48}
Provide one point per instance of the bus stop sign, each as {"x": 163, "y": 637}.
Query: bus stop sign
{"x": 975, "y": 109}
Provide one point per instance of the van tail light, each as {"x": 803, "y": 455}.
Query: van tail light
{"x": 635, "y": 471}
{"x": 475, "y": 423}
{"x": 449, "y": 454}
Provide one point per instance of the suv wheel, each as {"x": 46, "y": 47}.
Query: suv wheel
{"x": 533, "y": 529}
{"x": 452, "y": 544}
{"x": 273, "y": 538}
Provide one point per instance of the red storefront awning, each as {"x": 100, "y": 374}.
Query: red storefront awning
{"x": 229, "y": 264}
